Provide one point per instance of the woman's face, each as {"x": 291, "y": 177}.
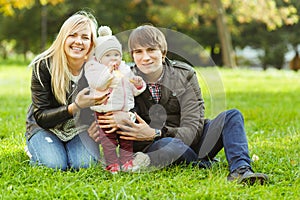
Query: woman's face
{"x": 78, "y": 44}
{"x": 148, "y": 59}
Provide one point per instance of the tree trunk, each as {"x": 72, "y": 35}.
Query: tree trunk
{"x": 224, "y": 35}
{"x": 43, "y": 27}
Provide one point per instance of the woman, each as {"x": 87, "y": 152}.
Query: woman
{"x": 59, "y": 115}
{"x": 171, "y": 128}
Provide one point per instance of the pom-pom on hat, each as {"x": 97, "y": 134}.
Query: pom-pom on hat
{"x": 106, "y": 42}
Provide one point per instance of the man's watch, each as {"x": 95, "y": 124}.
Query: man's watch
{"x": 157, "y": 134}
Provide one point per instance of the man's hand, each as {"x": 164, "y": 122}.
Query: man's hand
{"x": 140, "y": 131}
{"x": 93, "y": 132}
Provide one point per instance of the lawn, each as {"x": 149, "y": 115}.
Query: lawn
{"x": 268, "y": 99}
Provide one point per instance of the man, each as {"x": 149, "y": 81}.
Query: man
{"x": 170, "y": 126}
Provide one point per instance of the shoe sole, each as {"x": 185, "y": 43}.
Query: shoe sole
{"x": 254, "y": 178}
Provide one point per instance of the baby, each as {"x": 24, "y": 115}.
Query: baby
{"x": 107, "y": 72}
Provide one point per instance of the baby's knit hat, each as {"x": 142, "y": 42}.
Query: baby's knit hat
{"x": 106, "y": 42}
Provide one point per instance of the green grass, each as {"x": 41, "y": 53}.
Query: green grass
{"x": 268, "y": 99}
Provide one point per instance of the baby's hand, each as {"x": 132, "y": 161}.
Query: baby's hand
{"x": 137, "y": 81}
{"x": 113, "y": 66}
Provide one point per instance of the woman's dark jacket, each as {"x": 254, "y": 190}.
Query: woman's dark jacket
{"x": 45, "y": 112}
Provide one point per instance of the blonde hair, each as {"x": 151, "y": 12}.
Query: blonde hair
{"x": 147, "y": 36}
{"x": 58, "y": 66}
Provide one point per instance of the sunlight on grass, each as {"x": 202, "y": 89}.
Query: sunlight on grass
{"x": 270, "y": 104}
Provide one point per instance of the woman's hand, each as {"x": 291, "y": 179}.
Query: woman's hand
{"x": 140, "y": 131}
{"x": 84, "y": 100}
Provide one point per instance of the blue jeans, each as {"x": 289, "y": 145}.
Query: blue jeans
{"x": 226, "y": 130}
{"x": 48, "y": 150}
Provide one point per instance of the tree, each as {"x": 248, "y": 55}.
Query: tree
{"x": 8, "y": 7}
{"x": 195, "y": 18}
{"x": 41, "y": 22}
{"x": 190, "y": 14}
{"x": 224, "y": 34}
{"x": 30, "y": 36}
{"x": 294, "y": 30}
{"x": 274, "y": 43}
{"x": 11, "y": 8}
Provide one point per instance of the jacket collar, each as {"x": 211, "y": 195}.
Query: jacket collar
{"x": 167, "y": 82}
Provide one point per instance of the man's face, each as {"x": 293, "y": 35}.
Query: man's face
{"x": 148, "y": 59}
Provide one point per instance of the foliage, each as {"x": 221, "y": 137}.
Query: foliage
{"x": 29, "y": 36}
{"x": 8, "y": 7}
{"x": 294, "y": 31}
{"x": 34, "y": 27}
{"x": 274, "y": 43}
{"x": 274, "y": 56}
{"x": 268, "y": 99}
{"x": 268, "y": 12}
{"x": 189, "y": 13}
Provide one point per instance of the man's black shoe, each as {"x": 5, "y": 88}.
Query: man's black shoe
{"x": 245, "y": 175}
